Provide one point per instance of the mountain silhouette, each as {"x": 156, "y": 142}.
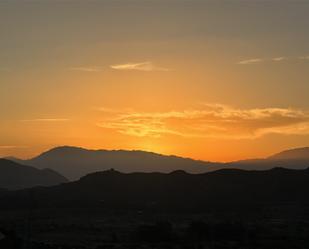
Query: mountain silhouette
{"x": 293, "y": 154}
{"x": 293, "y": 159}
{"x": 74, "y": 162}
{"x": 173, "y": 191}
{"x": 17, "y": 176}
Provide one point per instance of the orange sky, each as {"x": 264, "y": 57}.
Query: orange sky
{"x": 202, "y": 79}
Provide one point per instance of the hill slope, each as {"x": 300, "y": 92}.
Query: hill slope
{"x": 175, "y": 191}
{"x": 17, "y": 176}
{"x": 293, "y": 159}
{"x": 293, "y": 154}
{"x": 75, "y": 162}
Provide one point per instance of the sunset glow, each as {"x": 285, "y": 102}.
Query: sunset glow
{"x": 112, "y": 75}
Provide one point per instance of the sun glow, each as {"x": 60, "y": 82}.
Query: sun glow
{"x": 127, "y": 79}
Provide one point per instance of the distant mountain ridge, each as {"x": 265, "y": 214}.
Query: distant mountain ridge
{"x": 75, "y": 162}
{"x": 292, "y": 154}
{"x": 16, "y": 176}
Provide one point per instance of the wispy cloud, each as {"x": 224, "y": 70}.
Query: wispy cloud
{"x": 45, "y": 120}
{"x": 212, "y": 121}
{"x": 282, "y": 58}
{"x": 306, "y": 57}
{"x": 86, "y": 69}
{"x": 112, "y": 110}
{"x": 6, "y": 147}
{"x": 250, "y": 61}
{"x": 146, "y": 66}
{"x": 272, "y": 60}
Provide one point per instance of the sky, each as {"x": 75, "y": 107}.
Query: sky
{"x": 213, "y": 80}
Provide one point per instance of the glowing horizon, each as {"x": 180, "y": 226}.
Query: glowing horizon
{"x": 173, "y": 77}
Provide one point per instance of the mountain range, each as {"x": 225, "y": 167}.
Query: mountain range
{"x": 173, "y": 191}
{"x": 17, "y": 176}
{"x": 75, "y": 162}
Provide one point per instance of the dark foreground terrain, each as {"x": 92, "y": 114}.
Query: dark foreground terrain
{"x": 277, "y": 227}
{"x": 222, "y": 209}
